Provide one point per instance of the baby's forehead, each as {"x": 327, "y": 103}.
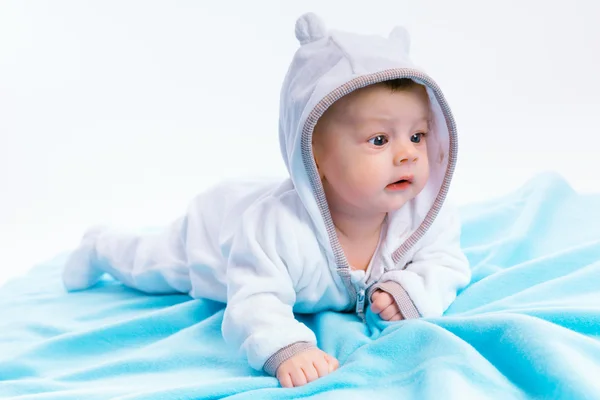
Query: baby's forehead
{"x": 375, "y": 103}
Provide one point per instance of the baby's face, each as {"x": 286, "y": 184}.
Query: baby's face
{"x": 371, "y": 149}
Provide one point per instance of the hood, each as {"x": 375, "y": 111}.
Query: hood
{"x": 329, "y": 65}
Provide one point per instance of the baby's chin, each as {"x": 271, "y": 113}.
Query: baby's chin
{"x": 395, "y": 200}
{"x": 394, "y": 208}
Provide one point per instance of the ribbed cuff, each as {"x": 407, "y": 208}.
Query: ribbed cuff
{"x": 285, "y": 354}
{"x": 402, "y": 299}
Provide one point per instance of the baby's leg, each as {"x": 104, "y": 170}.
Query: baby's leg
{"x": 152, "y": 262}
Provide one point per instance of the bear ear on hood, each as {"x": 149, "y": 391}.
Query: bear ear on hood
{"x": 309, "y": 28}
{"x": 401, "y": 36}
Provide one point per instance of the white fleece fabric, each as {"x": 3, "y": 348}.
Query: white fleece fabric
{"x": 268, "y": 249}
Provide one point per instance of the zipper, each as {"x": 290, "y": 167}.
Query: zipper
{"x": 357, "y": 296}
{"x": 344, "y": 273}
{"x": 360, "y": 303}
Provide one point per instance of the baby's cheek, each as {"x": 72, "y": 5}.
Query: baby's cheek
{"x": 424, "y": 166}
{"x": 353, "y": 179}
{"x": 367, "y": 176}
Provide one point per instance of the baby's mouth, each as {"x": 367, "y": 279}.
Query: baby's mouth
{"x": 400, "y": 184}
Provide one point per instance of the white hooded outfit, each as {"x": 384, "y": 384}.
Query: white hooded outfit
{"x": 270, "y": 249}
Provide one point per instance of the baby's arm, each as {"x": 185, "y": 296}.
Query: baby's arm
{"x": 259, "y": 318}
{"x": 438, "y": 269}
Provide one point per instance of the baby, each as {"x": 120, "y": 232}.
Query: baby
{"x": 370, "y": 145}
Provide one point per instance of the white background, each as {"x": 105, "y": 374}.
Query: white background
{"x": 118, "y": 112}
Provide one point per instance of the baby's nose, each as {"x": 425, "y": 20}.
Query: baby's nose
{"x": 406, "y": 155}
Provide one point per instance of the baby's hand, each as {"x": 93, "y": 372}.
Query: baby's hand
{"x": 306, "y": 367}
{"x": 384, "y": 305}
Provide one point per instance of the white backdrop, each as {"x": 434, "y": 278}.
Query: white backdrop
{"x": 118, "y": 112}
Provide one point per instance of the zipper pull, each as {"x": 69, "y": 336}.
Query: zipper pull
{"x": 360, "y": 303}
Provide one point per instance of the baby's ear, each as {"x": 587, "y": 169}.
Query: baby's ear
{"x": 401, "y": 36}
{"x": 317, "y": 164}
{"x": 318, "y": 169}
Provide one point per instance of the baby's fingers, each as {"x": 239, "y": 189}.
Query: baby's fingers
{"x": 285, "y": 380}
{"x": 298, "y": 377}
{"x": 380, "y": 301}
{"x": 322, "y": 367}
{"x": 397, "y": 317}
{"x": 389, "y": 312}
{"x": 333, "y": 363}
{"x": 310, "y": 372}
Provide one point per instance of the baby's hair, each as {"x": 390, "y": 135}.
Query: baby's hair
{"x": 400, "y": 84}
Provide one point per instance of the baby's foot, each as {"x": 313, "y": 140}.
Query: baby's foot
{"x": 79, "y": 272}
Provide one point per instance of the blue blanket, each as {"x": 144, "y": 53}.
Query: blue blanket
{"x": 528, "y": 326}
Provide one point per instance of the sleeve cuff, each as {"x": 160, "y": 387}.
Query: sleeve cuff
{"x": 285, "y": 354}
{"x": 402, "y": 299}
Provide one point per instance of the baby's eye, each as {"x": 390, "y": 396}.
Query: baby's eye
{"x": 417, "y": 137}
{"x": 378, "y": 140}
